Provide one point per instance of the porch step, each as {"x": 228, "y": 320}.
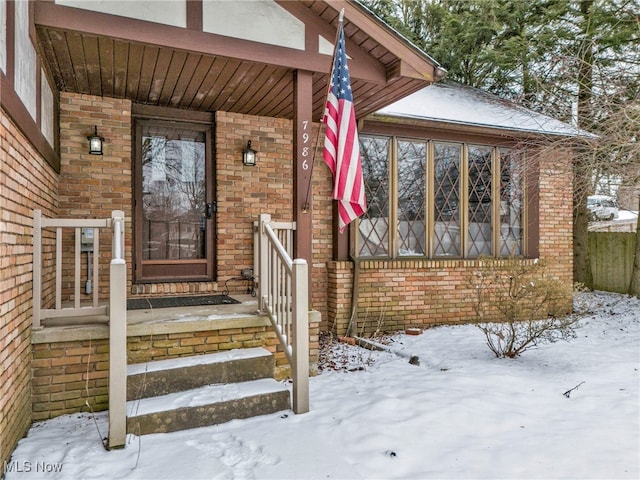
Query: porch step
{"x": 191, "y": 392}
{"x": 161, "y": 377}
{"x": 204, "y": 406}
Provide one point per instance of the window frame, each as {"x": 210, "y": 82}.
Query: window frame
{"x": 497, "y": 150}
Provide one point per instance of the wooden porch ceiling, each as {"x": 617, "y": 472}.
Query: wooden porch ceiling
{"x": 93, "y": 53}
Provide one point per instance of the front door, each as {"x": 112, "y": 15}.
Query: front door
{"x": 174, "y": 202}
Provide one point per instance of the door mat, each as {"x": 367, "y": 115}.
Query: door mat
{"x": 166, "y": 302}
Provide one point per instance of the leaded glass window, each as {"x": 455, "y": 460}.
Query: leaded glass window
{"x": 511, "y": 202}
{"x": 374, "y": 224}
{"x": 446, "y": 235}
{"x": 479, "y": 204}
{"x": 412, "y": 161}
{"x": 440, "y": 199}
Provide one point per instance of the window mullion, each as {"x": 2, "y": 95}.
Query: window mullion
{"x": 430, "y": 199}
{"x": 525, "y": 205}
{"x": 393, "y": 198}
{"x": 464, "y": 200}
{"x": 496, "y": 203}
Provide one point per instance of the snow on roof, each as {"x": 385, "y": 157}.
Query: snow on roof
{"x": 451, "y": 102}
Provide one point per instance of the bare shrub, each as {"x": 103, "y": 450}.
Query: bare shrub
{"x": 518, "y": 306}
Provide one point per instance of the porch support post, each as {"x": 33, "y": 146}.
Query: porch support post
{"x": 117, "y": 336}
{"x": 303, "y": 157}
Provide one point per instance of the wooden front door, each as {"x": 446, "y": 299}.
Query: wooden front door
{"x": 174, "y": 202}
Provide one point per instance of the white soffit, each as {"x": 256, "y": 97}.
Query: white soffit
{"x": 167, "y": 12}
{"x": 25, "y": 59}
{"x": 261, "y": 21}
{"x": 325, "y": 46}
{"x": 3, "y": 35}
{"x": 46, "y": 109}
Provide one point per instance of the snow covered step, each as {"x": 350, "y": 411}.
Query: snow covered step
{"x": 162, "y": 377}
{"x": 204, "y": 406}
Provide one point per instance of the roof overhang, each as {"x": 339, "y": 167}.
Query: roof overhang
{"x": 450, "y": 105}
{"x": 149, "y": 63}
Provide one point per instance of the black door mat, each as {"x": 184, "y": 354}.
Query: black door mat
{"x": 166, "y": 302}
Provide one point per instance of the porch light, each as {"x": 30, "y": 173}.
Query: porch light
{"x": 249, "y": 155}
{"x": 95, "y": 142}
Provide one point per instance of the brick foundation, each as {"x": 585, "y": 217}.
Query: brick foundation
{"x": 73, "y": 375}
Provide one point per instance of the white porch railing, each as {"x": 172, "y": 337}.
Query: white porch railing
{"x": 76, "y": 308}
{"x": 116, "y": 308}
{"x": 283, "y": 295}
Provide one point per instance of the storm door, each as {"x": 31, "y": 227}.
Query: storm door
{"x": 174, "y": 206}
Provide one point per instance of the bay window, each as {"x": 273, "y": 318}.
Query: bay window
{"x": 440, "y": 199}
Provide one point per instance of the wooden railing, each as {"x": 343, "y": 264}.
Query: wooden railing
{"x": 116, "y": 308}
{"x": 283, "y": 295}
{"x": 76, "y": 308}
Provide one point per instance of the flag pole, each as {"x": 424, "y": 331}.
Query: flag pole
{"x": 305, "y": 205}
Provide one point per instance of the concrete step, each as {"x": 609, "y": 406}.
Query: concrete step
{"x": 162, "y": 377}
{"x": 204, "y": 406}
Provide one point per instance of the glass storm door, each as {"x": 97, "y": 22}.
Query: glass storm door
{"x": 174, "y": 202}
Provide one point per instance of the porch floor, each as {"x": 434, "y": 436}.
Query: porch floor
{"x": 248, "y": 307}
{"x": 151, "y": 321}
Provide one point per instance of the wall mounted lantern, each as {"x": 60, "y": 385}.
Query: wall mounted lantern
{"x": 249, "y": 155}
{"x": 95, "y": 142}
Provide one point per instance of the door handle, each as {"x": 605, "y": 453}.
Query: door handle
{"x": 210, "y": 209}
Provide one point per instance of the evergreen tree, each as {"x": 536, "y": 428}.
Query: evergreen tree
{"x": 575, "y": 60}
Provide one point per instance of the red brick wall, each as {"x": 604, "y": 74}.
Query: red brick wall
{"x": 26, "y": 182}
{"x": 246, "y": 192}
{"x": 556, "y": 213}
{"x": 426, "y": 292}
{"x": 92, "y": 186}
{"x": 394, "y": 295}
{"x": 322, "y": 206}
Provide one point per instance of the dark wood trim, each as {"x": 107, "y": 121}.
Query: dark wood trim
{"x": 38, "y": 91}
{"x": 33, "y": 35}
{"x": 103, "y": 25}
{"x": 136, "y": 170}
{"x": 394, "y": 126}
{"x": 340, "y": 240}
{"x": 153, "y": 112}
{"x": 314, "y": 28}
{"x": 14, "y": 107}
{"x": 532, "y": 205}
{"x": 416, "y": 64}
{"x": 302, "y": 158}
{"x": 194, "y": 15}
{"x": 171, "y": 270}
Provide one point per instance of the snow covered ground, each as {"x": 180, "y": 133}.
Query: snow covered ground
{"x": 562, "y": 410}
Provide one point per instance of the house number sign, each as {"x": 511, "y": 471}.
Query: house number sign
{"x": 304, "y": 146}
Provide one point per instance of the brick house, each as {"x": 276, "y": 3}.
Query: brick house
{"x": 177, "y": 93}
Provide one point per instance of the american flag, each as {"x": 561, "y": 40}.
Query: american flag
{"x": 341, "y": 147}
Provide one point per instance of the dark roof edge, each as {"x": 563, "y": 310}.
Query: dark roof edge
{"x": 442, "y": 71}
{"x": 386, "y": 117}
